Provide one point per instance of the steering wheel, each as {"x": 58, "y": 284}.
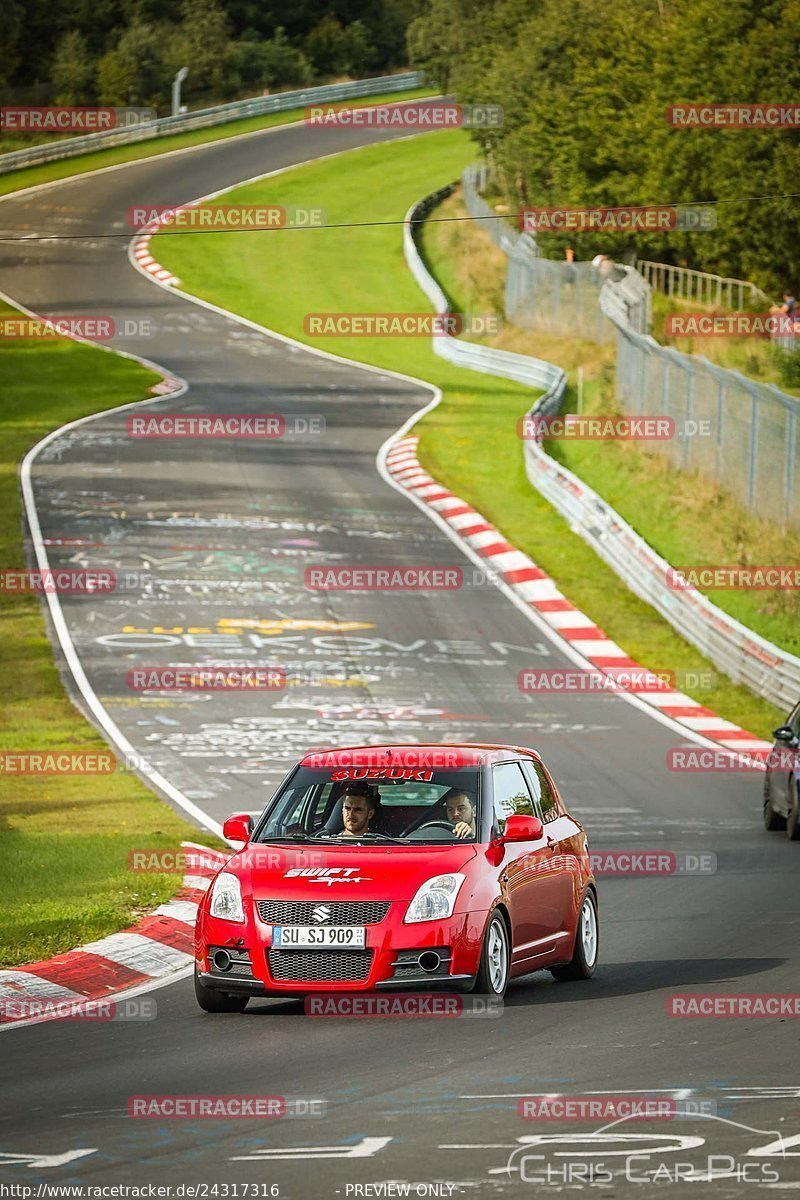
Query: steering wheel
{"x": 448, "y": 825}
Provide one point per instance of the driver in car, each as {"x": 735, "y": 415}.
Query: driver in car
{"x": 461, "y": 813}
{"x": 358, "y": 810}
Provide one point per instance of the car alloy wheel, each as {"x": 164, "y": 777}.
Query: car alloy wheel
{"x": 492, "y": 977}
{"x": 587, "y": 942}
{"x": 588, "y": 932}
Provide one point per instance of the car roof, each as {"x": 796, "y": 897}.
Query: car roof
{"x": 342, "y": 755}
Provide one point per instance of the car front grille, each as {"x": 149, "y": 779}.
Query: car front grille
{"x": 337, "y": 912}
{"x": 320, "y": 966}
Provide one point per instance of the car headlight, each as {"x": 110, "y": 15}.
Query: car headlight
{"x": 226, "y": 897}
{"x": 435, "y": 899}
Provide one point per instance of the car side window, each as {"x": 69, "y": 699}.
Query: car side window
{"x": 794, "y": 721}
{"x": 545, "y": 796}
{"x": 511, "y": 794}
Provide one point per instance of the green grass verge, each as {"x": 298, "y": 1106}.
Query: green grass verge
{"x": 64, "y": 840}
{"x": 63, "y": 168}
{"x": 469, "y": 441}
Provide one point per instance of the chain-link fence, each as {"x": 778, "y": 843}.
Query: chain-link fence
{"x": 544, "y": 295}
{"x": 743, "y": 435}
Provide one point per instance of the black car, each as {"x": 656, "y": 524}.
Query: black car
{"x": 782, "y": 779}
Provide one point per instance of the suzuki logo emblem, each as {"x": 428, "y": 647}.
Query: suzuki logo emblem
{"x": 320, "y": 913}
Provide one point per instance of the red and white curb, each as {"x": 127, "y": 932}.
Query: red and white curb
{"x": 154, "y": 948}
{"x": 145, "y": 260}
{"x": 537, "y": 589}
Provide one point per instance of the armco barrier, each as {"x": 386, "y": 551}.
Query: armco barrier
{"x": 203, "y": 117}
{"x": 744, "y": 656}
{"x": 532, "y": 371}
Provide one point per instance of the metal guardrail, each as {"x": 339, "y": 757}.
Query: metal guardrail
{"x": 534, "y": 372}
{"x": 204, "y": 117}
{"x": 701, "y": 287}
{"x": 741, "y": 654}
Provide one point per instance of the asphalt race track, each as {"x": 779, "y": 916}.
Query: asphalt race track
{"x": 213, "y": 538}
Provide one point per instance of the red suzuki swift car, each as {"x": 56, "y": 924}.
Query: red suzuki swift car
{"x": 396, "y": 866}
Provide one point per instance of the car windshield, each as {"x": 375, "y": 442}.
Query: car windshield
{"x": 363, "y": 806}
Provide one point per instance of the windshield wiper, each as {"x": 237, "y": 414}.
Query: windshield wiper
{"x": 287, "y": 837}
{"x": 380, "y": 837}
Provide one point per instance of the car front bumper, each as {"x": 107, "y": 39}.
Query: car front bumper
{"x": 428, "y": 954}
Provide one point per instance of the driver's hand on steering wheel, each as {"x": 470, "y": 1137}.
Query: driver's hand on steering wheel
{"x": 462, "y": 829}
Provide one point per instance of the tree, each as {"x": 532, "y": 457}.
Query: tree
{"x": 326, "y": 47}
{"x": 10, "y": 38}
{"x": 71, "y": 74}
{"x": 204, "y": 37}
{"x": 134, "y": 71}
{"x": 285, "y": 66}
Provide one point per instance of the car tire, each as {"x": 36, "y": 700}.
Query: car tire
{"x": 495, "y": 964}
{"x": 213, "y": 1001}
{"x": 793, "y": 820}
{"x": 772, "y": 820}
{"x": 587, "y": 944}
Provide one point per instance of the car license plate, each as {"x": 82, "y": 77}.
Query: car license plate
{"x": 305, "y": 936}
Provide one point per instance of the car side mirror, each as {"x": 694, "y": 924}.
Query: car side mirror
{"x": 520, "y": 828}
{"x": 238, "y": 827}
{"x": 784, "y": 733}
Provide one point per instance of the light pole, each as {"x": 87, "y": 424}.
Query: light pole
{"x": 176, "y": 90}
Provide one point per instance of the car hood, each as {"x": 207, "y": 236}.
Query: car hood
{"x": 333, "y": 872}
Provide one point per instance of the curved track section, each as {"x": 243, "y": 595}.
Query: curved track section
{"x": 214, "y": 538}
